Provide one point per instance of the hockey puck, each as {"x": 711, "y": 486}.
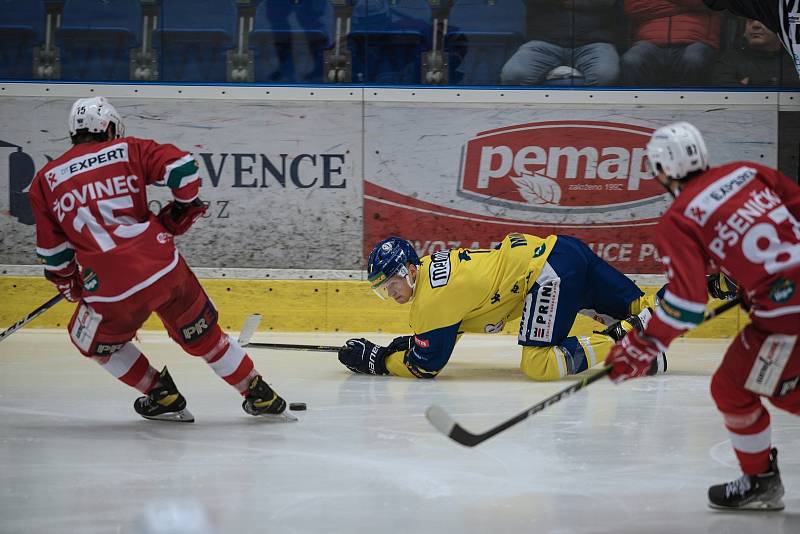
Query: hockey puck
{"x": 295, "y": 406}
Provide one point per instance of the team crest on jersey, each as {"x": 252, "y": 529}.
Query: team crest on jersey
{"x": 163, "y": 237}
{"x": 439, "y": 269}
{"x": 90, "y": 280}
{"x": 538, "y": 251}
{"x": 781, "y": 290}
{"x": 715, "y": 195}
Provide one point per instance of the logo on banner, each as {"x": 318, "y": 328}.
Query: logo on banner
{"x": 587, "y": 166}
{"x": 21, "y": 170}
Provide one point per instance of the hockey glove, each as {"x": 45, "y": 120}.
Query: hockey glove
{"x": 631, "y": 357}
{"x": 70, "y": 286}
{"x": 401, "y": 343}
{"x": 363, "y": 356}
{"x": 178, "y": 217}
{"x": 721, "y": 287}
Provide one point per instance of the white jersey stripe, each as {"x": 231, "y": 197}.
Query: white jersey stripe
{"x": 673, "y": 322}
{"x": 688, "y": 305}
{"x": 138, "y": 287}
{"x": 777, "y": 312}
{"x": 55, "y": 250}
{"x": 175, "y": 164}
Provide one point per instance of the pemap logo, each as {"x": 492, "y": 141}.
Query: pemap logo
{"x": 580, "y": 166}
{"x": 21, "y": 171}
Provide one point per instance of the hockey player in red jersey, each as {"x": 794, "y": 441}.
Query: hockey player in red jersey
{"x": 741, "y": 219}
{"x": 103, "y": 248}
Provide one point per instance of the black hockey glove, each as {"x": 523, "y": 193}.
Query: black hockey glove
{"x": 401, "y": 343}
{"x": 721, "y": 287}
{"x": 363, "y": 356}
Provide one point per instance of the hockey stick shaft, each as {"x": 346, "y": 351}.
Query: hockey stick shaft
{"x": 445, "y": 424}
{"x": 31, "y": 316}
{"x": 290, "y": 346}
{"x": 249, "y": 328}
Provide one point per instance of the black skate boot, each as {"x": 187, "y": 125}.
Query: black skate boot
{"x": 261, "y": 400}
{"x": 164, "y": 402}
{"x": 759, "y": 492}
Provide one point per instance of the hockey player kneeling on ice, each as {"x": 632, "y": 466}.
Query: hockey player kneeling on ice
{"x": 103, "y": 248}
{"x": 742, "y": 218}
{"x": 544, "y": 281}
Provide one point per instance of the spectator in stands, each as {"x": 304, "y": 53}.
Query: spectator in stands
{"x": 580, "y": 34}
{"x": 675, "y": 42}
{"x": 759, "y": 61}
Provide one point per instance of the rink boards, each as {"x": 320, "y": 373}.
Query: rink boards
{"x": 294, "y": 306}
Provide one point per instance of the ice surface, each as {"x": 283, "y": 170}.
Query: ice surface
{"x": 636, "y": 458}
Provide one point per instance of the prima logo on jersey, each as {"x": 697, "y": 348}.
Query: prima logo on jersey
{"x": 201, "y": 325}
{"x": 715, "y": 195}
{"x": 108, "y": 156}
{"x": 589, "y": 166}
{"x": 543, "y": 311}
{"x": 439, "y": 269}
{"x": 103, "y": 348}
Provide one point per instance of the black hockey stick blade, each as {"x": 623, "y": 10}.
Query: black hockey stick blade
{"x": 31, "y": 316}
{"x": 445, "y": 424}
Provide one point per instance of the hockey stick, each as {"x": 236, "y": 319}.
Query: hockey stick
{"x": 31, "y": 316}
{"x": 445, "y": 424}
{"x": 250, "y": 326}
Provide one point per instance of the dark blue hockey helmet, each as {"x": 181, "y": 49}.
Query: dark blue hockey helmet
{"x": 389, "y": 258}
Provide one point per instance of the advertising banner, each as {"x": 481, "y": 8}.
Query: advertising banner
{"x": 444, "y": 176}
{"x": 282, "y": 179}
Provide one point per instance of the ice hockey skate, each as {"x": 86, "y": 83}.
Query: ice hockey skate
{"x": 750, "y": 492}
{"x": 164, "y": 402}
{"x": 262, "y": 401}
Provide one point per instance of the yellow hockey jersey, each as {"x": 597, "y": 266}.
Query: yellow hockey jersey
{"x": 469, "y": 290}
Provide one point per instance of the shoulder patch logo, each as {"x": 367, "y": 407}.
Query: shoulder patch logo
{"x": 439, "y": 268}
{"x": 781, "y": 290}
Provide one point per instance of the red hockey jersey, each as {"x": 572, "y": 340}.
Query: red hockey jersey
{"x": 740, "y": 218}
{"x": 91, "y": 206}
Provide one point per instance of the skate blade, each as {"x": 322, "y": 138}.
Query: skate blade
{"x": 771, "y": 506}
{"x": 183, "y": 416}
{"x": 284, "y": 417}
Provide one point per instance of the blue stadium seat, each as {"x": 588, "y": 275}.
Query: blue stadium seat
{"x": 192, "y": 38}
{"x": 289, "y": 39}
{"x": 481, "y": 36}
{"x": 387, "y": 39}
{"x": 21, "y": 29}
{"x": 96, "y": 38}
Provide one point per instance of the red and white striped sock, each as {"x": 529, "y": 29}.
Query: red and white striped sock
{"x": 130, "y": 366}
{"x": 751, "y": 441}
{"x": 232, "y": 364}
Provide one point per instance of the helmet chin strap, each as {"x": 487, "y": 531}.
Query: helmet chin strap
{"x": 412, "y": 285}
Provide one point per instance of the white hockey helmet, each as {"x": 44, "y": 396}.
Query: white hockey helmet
{"x": 678, "y": 149}
{"x": 94, "y": 115}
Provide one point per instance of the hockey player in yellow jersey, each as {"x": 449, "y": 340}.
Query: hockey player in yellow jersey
{"x": 543, "y": 282}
